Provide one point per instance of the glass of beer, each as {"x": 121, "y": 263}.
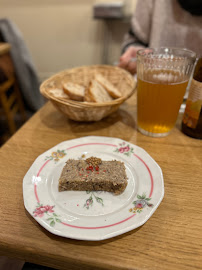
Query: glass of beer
{"x": 162, "y": 79}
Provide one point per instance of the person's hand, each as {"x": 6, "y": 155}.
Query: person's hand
{"x": 125, "y": 60}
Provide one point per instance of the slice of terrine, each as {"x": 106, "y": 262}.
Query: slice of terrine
{"x": 93, "y": 174}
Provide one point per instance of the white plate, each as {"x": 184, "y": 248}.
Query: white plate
{"x": 93, "y": 215}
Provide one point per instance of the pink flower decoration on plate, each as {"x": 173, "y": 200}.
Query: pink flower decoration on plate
{"x": 39, "y": 211}
{"x": 121, "y": 150}
{"x": 124, "y": 149}
{"x": 139, "y": 205}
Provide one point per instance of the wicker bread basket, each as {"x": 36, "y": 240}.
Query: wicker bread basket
{"x": 89, "y": 111}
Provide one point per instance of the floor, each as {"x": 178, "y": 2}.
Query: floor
{"x": 31, "y": 266}
{"x": 4, "y": 131}
{"x": 15, "y": 264}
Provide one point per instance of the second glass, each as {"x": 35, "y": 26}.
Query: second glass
{"x": 163, "y": 76}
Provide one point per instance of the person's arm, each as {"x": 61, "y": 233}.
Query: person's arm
{"x": 138, "y": 36}
{"x": 130, "y": 39}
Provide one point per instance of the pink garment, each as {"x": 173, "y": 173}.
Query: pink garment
{"x": 163, "y": 23}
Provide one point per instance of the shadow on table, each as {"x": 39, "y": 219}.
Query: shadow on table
{"x": 55, "y": 120}
{"x": 80, "y": 242}
{"x": 119, "y": 116}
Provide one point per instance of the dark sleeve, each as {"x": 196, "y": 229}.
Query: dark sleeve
{"x": 141, "y": 21}
{"x": 131, "y": 40}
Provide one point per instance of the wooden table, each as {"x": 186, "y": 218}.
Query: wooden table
{"x": 170, "y": 239}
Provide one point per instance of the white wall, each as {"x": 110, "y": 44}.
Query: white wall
{"x": 62, "y": 34}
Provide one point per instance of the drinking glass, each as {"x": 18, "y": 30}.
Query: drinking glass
{"x": 162, "y": 79}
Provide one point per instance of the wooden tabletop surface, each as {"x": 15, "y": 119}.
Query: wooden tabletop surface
{"x": 170, "y": 239}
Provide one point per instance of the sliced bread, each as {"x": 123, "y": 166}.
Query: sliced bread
{"x": 96, "y": 93}
{"x": 58, "y": 93}
{"x": 111, "y": 89}
{"x": 74, "y": 91}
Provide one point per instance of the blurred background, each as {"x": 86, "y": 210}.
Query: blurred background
{"x": 58, "y": 35}
{"x": 63, "y": 34}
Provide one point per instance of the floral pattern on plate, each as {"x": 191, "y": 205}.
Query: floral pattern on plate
{"x": 141, "y": 203}
{"x": 56, "y": 156}
{"x": 47, "y": 210}
{"x": 96, "y": 216}
{"x": 125, "y": 149}
{"x": 89, "y": 202}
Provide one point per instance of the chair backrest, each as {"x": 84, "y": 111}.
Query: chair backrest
{"x": 11, "y": 102}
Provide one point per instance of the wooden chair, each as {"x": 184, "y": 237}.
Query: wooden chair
{"x": 11, "y": 101}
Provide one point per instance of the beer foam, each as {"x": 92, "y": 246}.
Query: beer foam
{"x": 164, "y": 76}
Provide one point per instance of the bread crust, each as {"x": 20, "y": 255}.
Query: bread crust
{"x": 111, "y": 89}
{"x": 97, "y": 93}
{"x": 74, "y": 91}
{"x": 59, "y": 93}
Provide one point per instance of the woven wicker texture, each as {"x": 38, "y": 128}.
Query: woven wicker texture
{"x": 88, "y": 111}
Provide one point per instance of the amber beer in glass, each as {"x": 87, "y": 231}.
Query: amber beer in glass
{"x": 163, "y": 76}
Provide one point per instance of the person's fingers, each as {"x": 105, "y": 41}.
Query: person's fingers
{"x": 132, "y": 67}
{"x": 128, "y": 57}
{"x": 125, "y": 58}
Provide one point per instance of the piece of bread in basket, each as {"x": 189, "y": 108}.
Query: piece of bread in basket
{"x": 74, "y": 91}
{"x": 89, "y": 111}
{"x": 111, "y": 89}
{"x": 58, "y": 93}
{"x": 96, "y": 93}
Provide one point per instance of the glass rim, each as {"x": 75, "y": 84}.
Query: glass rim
{"x": 190, "y": 53}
